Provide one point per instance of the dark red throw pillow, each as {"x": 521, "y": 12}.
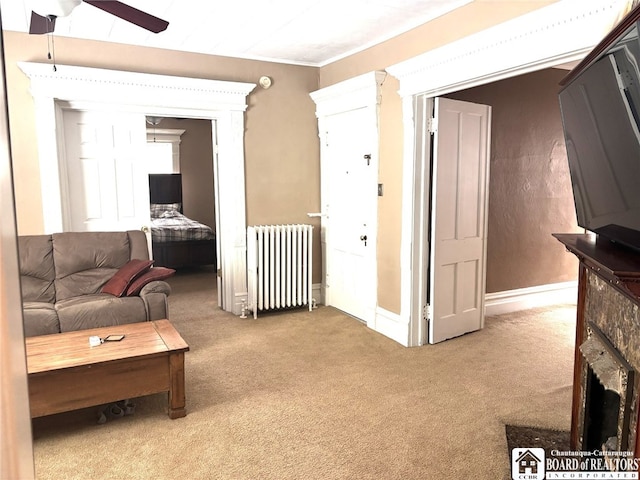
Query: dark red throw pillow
{"x": 125, "y": 275}
{"x": 155, "y": 273}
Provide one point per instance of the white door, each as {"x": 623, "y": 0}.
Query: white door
{"x": 460, "y": 174}
{"x": 107, "y": 177}
{"x": 352, "y": 200}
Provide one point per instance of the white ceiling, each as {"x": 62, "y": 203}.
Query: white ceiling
{"x": 305, "y": 32}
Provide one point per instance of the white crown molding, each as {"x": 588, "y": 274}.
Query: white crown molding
{"x": 356, "y": 92}
{"x": 561, "y": 32}
{"x": 165, "y": 135}
{"x": 70, "y": 82}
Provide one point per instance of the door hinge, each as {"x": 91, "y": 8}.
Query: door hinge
{"x": 432, "y": 125}
{"x": 427, "y": 312}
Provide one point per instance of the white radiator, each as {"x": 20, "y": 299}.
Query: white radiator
{"x": 279, "y": 267}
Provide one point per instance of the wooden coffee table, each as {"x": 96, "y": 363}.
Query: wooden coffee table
{"x": 65, "y": 373}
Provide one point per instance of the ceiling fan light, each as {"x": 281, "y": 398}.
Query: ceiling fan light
{"x": 153, "y": 120}
{"x": 56, "y": 8}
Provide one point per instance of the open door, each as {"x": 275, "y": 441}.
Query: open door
{"x": 459, "y": 201}
{"x": 107, "y": 178}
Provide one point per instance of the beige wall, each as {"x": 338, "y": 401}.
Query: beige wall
{"x": 530, "y": 194}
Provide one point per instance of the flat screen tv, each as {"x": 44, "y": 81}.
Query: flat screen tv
{"x": 600, "y": 107}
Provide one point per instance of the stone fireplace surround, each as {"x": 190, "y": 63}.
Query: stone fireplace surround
{"x": 608, "y": 394}
{"x": 607, "y": 337}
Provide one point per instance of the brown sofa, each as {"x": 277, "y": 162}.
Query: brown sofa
{"x": 62, "y": 276}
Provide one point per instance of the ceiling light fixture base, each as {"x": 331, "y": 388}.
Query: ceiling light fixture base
{"x": 265, "y": 82}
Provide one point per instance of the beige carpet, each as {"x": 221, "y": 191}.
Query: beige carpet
{"x": 320, "y": 396}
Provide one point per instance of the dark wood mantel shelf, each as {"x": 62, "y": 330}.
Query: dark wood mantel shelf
{"x": 619, "y": 265}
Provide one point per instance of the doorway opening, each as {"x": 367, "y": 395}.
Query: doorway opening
{"x": 153, "y": 95}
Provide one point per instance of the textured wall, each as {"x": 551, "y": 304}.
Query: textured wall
{"x": 530, "y": 194}
{"x": 196, "y": 166}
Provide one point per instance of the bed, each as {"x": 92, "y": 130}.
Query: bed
{"x": 177, "y": 241}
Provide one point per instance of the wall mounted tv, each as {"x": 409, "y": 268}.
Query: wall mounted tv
{"x": 600, "y": 106}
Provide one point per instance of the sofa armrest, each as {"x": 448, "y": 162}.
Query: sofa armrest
{"x": 155, "y": 295}
{"x": 157, "y": 286}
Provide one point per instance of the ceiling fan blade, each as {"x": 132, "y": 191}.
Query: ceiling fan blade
{"x": 40, "y": 25}
{"x": 130, "y": 14}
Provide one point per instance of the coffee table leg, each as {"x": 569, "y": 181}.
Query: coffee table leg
{"x": 177, "y": 400}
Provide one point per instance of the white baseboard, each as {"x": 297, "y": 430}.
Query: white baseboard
{"x": 391, "y": 325}
{"x": 531, "y": 297}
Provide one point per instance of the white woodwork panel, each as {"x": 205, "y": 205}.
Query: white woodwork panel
{"x": 88, "y": 135}
{"x": 469, "y": 272}
{"x": 126, "y": 188}
{"x": 446, "y": 305}
{"x": 92, "y": 189}
{"x": 471, "y": 178}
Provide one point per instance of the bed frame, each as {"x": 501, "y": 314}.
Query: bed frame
{"x": 167, "y": 188}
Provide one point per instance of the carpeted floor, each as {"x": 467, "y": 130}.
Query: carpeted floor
{"x": 318, "y": 395}
{"x": 531, "y": 437}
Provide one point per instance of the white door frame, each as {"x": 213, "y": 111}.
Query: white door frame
{"x": 562, "y": 32}
{"x": 160, "y": 95}
{"x": 362, "y": 91}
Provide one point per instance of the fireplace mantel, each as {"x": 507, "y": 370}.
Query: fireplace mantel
{"x": 609, "y": 302}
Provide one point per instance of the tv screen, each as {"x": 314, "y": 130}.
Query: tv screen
{"x": 601, "y": 118}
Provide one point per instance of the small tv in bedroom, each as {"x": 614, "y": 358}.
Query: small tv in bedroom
{"x": 600, "y": 107}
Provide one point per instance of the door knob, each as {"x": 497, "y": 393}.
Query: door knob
{"x": 364, "y": 239}
{"x": 145, "y": 229}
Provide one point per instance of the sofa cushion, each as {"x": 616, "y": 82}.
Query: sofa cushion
{"x": 118, "y": 284}
{"x": 85, "y": 261}
{"x": 155, "y": 273}
{"x": 99, "y": 310}
{"x": 37, "y": 273}
{"x": 40, "y": 318}
{"x": 138, "y": 244}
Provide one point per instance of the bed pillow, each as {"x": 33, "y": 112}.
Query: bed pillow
{"x": 170, "y": 214}
{"x": 155, "y": 273}
{"x": 157, "y": 209}
{"x": 118, "y": 284}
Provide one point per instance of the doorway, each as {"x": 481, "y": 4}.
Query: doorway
{"x": 222, "y": 102}
{"x": 349, "y": 155}
{"x": 557, "y": 34}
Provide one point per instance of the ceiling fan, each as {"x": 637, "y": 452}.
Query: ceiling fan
{"x": 45, "y": 12}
